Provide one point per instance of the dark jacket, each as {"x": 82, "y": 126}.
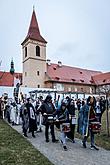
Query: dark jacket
{"x": 49, "y": 109}
{"x": 71, "y": 108}
{"x": 85, "y": 117}
{"x": 63, "y": 115}
{"x": 32, "y": 117}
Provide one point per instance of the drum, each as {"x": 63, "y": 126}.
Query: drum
{"x": 65, "y": 127}
{"x": 50, "y": 119}
{"x": 74, "y": 120}
{"x": 95, "y": 127}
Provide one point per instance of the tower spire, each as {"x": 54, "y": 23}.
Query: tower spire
{"x": 33, "y": 8}
{"x": 34, "y": 32}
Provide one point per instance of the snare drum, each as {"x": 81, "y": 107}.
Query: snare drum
{"x": 95, "y": 127}
{"x": 50, "y": 119}
{"x": 74, "y": 120}
{"x": 65, "y": 127}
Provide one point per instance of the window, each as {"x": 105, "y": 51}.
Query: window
{"x": 69, "y": 89}
{"x": 81, "y": 80}
{"x": 25, "y": 52}
{"x": 91, "y": 90}
{"x": 82, "y": 90}
{"x": 75, "y": 89}
{"x": 37, "y": 51}
{"x": 59, "y": 87}
{"x": 73, "y": 79}
{"x": 38, "y": 73}
{"x": 57, "y": 78}
{"x": 38, "y": 86}
{"x": 25, "y": 73}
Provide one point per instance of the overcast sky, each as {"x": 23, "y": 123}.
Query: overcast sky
{"x": 77, "y": 31}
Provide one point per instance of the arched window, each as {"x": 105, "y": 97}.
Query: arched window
{"x": 37, "y": 51}
{"x": 82, "y": 90}
{"x": 38, "y": 73}
{"x": 25, "y": 52}
{"x": 38, "y": 86}
{"x": 25, "y": 73}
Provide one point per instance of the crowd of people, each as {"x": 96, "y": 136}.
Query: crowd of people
{"x": 34, "y": 114}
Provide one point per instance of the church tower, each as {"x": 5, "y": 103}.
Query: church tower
{"x": 34, "y": 56}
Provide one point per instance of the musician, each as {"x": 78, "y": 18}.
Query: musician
{"x": 39, "y": 102}
{"x": 4, "y": 102}
{"x": 87, "y": 115}
{"x": 78, "y": 104}
{"x": 13, "y": 113}
{"x": 47, "y": 108}
{"x": 25, "y": 121}
{"x": 32, "y": 117}
{"x": 25, "y": 118}
{"x": 63, "y": 116}
{"x": 102, "y": 103}
{"x": 0, "y": 108}
{"x": 98, "y": 111}
{"x": 8, "y": 111}
{"x": 71, "y": 110}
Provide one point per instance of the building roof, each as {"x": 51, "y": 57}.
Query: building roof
{"x": 102, "y": 79}
{"x": 6, "y": 79}
{"x": 66, "y": 74}
{"x": 34, "y": 32}
{"x": 70, "y": 74}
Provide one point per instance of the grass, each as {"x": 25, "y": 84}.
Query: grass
{"x": 101, "y": 139}
{"x": 15, "y": 150}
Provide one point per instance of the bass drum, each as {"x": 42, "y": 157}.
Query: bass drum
{"x": 95, "y": 127}
{"x": 65, "y": 127}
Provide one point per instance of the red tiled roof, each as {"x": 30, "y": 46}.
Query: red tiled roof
{"x": 70, "y": 74}
{"x": 63, "y": 74}
{"x": 34, "y": 32}
{"x": 6, "y": 79}
{"x": 102, "y": 79}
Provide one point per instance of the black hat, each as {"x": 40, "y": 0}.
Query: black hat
{"x": 49, "y": 97}
{"x": 28, "y": 99}
{"x": 40, "y": 97}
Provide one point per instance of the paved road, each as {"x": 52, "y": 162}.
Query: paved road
{"x": 76, "y": 154}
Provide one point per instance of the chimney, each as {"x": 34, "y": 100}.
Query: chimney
{"x": 48, "y": 61}
{"x": 59, "y": 63}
